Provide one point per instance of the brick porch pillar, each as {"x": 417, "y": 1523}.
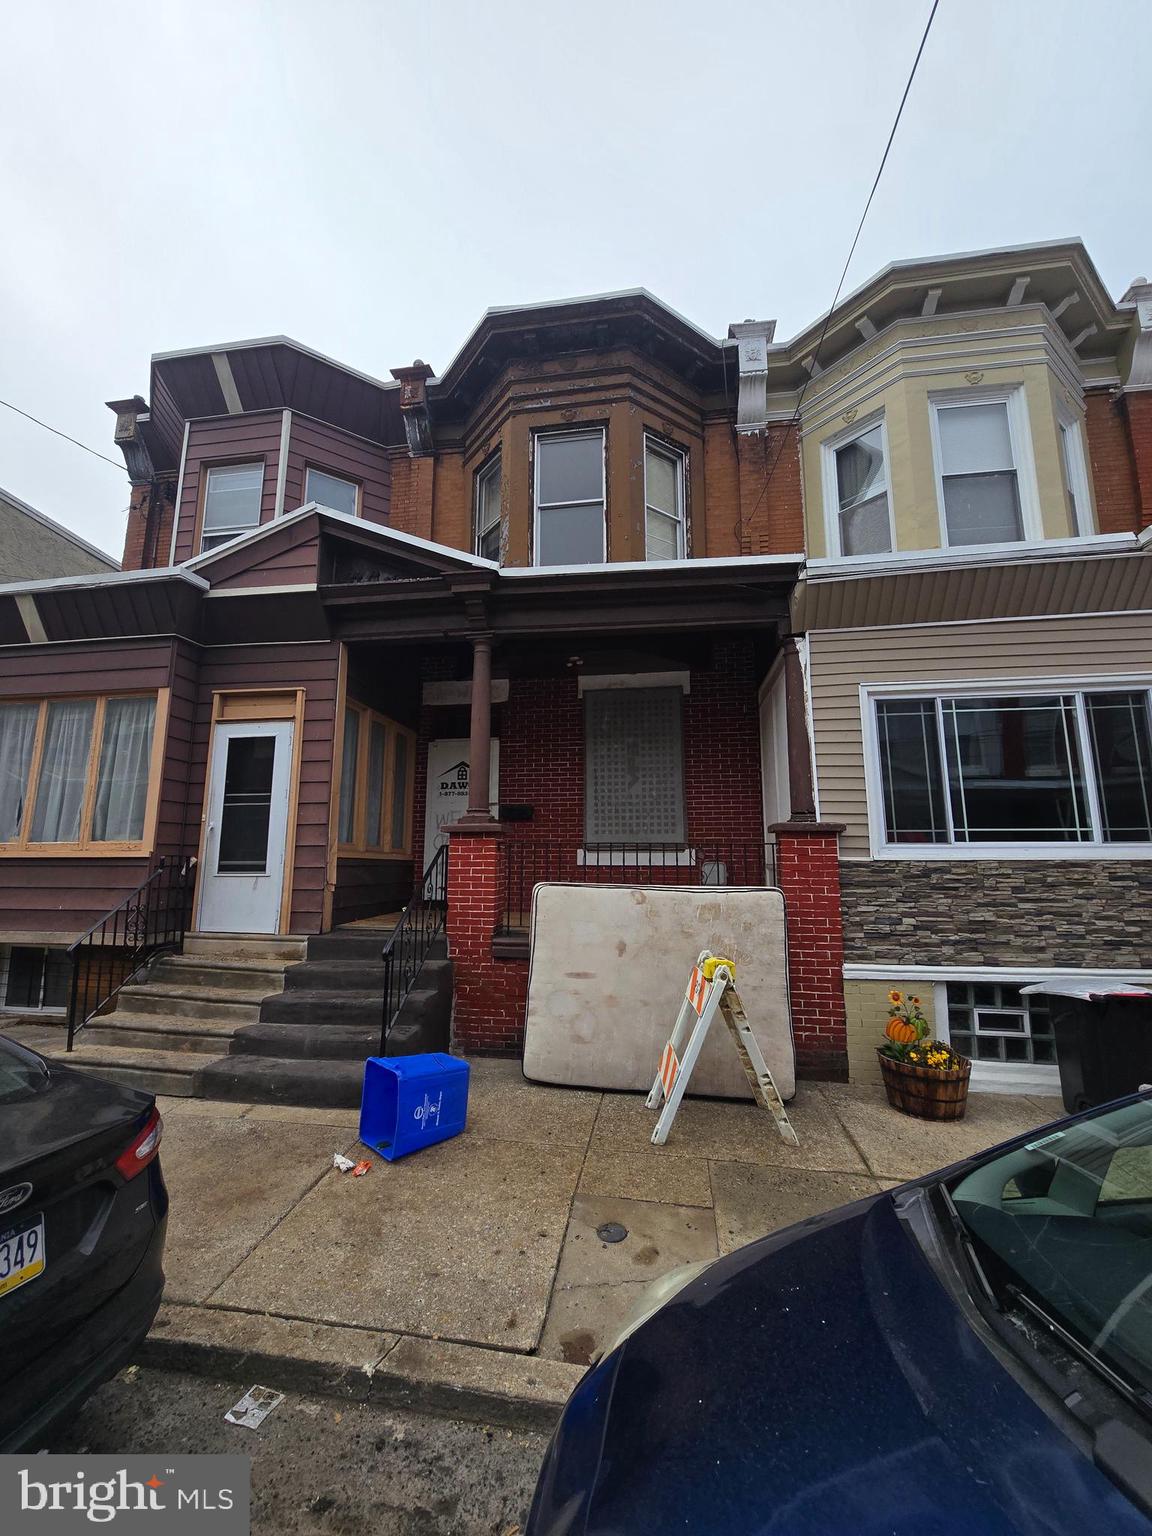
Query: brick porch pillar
{"x": 808, "y": 873}
{"x": 489, "y": 994}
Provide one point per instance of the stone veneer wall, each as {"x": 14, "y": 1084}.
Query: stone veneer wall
{"x": 1076, "y": 913}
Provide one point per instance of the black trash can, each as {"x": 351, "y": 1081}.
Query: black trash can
{"x": 1103, "y": 1033}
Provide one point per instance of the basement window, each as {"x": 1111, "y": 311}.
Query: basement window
{"x": 33, "y": 978}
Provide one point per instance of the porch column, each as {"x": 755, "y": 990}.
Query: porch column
{"x": 480, "y": 732}
{"x": 808, "y": 874}
{"x": 802, "y": 799}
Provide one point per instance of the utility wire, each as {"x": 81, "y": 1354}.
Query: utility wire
{"x": 746, "y": 522}
{"x": 64, "y": 435}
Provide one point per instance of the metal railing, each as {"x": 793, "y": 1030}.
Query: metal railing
{"x": 421, "y": 924}
{"x": 527, "y": 864}
{"x": 151, "y": 921}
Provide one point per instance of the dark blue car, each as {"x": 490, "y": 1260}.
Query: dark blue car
{"x": 971, "y": 1352}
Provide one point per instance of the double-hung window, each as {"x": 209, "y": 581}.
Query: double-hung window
{"x": 486, "y": 514}
{"x": 634, "y": 768}
{"x": 857, "y": 477}
{"x": 1075, "y": 474}
{"x": 232, "y": 495}
{"x": 75, "y": 774}
{"x": 375, "y": 778}
{"x": 328, "y": 490}
{"x": 570, "y": 525}
{"x": 1015, "y": 769}
{"x": 979, "y": 477}
{"x": 663, "y": 502}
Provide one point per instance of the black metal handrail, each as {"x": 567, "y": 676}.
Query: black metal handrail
{"x": 700, "y": 862}
{"x": 420, "y": 925}
{"x": 150, "y": 921}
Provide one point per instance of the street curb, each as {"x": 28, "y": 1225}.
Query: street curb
{"x": 465, "y": 1381}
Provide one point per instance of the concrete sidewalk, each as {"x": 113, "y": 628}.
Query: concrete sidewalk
{"x": 471, "y": 1274}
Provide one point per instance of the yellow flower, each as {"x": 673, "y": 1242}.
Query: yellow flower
{"x": 895, "y": 998}
{"x": 915, "y": 1002}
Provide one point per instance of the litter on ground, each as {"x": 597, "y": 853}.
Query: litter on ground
{"x": 254, "y": 1407}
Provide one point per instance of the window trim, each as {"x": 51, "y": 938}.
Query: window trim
{"x": 359, "y": 847}
{"x": 40, "y": 1009}
{"x": 1004, "y": 1076}
{"x": 679, "y": 457}
{"x": 1070, "y": 430}
{"x": 829, "y": 448}
{"x": 1023, "y": 460}
{"x": 84, "y": 846}
{"x": 489, "y": 467}
{"x": 878, "y": 844}
{"x": 206, "y": 470}
{"x": 602, "y": 501}
{"x": 322, "y": 469}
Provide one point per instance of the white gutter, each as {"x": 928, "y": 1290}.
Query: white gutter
{"x": 104, "y": 579}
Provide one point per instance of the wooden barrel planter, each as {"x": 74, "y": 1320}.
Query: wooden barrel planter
{"x": 928, "y": 1092}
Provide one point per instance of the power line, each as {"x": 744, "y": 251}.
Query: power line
{"x": 746, "y": 522}
{"x": 64, "y": 435}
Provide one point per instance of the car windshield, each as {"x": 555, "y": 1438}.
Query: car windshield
{"x": 1067, "y": 1220}
{"x": 22, "y": 1072}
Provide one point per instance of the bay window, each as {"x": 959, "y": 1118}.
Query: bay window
{"x": 76, "y": 774}
{"x": 569, "y": 498}
{"x": 663, "y": 502}
{"x": 978, "y": 476}
{"x": 1059, "y": 769}
{"x": 374, "y": 816}
{"x": 232, "y": 495}
{"x": 862, "y": 512}
{"x": 486, "y": 516}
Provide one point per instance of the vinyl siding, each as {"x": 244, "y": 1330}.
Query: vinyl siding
{"x": 313, "y": 444}
{"x": 227, "y": 440}
{"x": 841, "y": 661}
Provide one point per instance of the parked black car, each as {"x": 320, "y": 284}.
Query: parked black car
{"x": 83, "y": 1211}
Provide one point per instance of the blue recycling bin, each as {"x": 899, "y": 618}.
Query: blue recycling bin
{"x": 410, "y": 1102}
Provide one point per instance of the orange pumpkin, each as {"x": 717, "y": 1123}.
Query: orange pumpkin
{"x": 900, "y": 1032}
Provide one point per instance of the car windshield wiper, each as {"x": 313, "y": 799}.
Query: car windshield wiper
{"x": 968, "y": 1246}
{"x": 1137, "y": 1396}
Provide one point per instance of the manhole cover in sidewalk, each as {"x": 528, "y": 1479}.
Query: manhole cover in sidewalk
{"x": 611, "y": 1232}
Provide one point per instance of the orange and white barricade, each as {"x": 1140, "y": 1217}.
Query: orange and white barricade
{"x": 711, "y": 989}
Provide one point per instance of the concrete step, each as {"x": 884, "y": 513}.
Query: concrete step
{"x": 272, "y": 1080}
{"x": 194, "y": 971}
{"x": 334, "y": 976}
{"x": 413, "y": 1037}
{"x": 301, "y": 1042}
{"x": 360, "y": 946}
{"x": 206, "y": 1037}
{"x": 266, "y": 947}
{"x": 187, "y": 1003}
{"x": 171, "y": 1072}
{"x": 323, "y": 1008}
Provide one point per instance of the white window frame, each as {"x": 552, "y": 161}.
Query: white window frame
{"x": 492, "y": 466}
{"x": 657, "y": 445}
{"x": 1001, "y": 1076}
{"x": 602, "y": 501}
{"x": 1074, "y": 468}
{"x": 1023, "y": 461}
{"x": 225, "y": 535}
{"x": 829, "y": 448}
{"x": 319, "y": 469}
{"x": 1096, "y": 848}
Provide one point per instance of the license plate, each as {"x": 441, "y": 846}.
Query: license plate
{"x": 21, "y": 1255}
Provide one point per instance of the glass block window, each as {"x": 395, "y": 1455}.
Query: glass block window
{"x": 634, "y": 766}
{"x": 990, "y": 1021}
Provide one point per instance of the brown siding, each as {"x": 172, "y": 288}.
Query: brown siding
{"x": 287, "y": 557}
{"x": 843, "y": 660}
{"x": 312, "y": 667}
{"x": 68, "y": 895}
{"x": 316, "y": 445}
{"x": 226, "y": 440}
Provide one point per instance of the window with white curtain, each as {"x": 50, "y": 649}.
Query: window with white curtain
{"x": 979, "y": 481}
{"x": 663, "y": 502}
{"x": 76, "y": 774}
{"x": 863, "y": 517}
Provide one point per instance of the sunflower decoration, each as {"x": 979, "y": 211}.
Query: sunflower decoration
{"x": 906, "y": 1026}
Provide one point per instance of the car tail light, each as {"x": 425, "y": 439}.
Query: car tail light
{"x": 142, "y": 1148}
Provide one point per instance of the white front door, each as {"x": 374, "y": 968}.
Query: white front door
{"x": 447, "y": 789}
{"x": 245, "y": 842}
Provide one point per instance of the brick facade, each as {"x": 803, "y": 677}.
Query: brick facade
{"x": 808, "y": 872}
{"x": 488, "y": 994}
{"x": 1139, "y": 404}
{"x": 148, "y": 531}
{"x": 1073, "y": 912}
{"x": 1112, "y": 467}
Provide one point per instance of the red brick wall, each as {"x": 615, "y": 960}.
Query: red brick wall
{"x": 489, "y": 995}
{"x": 148, "y": 533}
{"x": 771, "y": 516}
{"x": 1112, "y": 466}
{"x": 1139, "y": 404}
{"x": 808, "y": 872}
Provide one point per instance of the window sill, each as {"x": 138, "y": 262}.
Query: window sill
{"x": 1013, "y": 1077}
{"x": 970, "y": 853}
{"x": 668, "y": 858}
{"x": 77, "y": 851}
{"x": 828, "y": 566}
{"x": 344, "y": 852}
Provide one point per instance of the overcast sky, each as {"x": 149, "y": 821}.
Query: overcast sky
{"x": 368, "y": 176}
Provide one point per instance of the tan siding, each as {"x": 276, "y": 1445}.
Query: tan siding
{"x": 844, "y": 660}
